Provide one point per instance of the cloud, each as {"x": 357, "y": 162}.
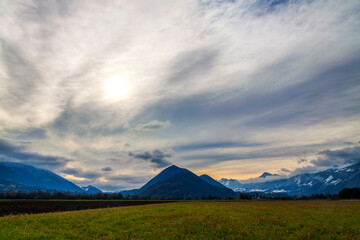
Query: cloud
{"x": 129, "y": 178}
{"x": 190, "y": 64}
{"x": 349, "y": 155}
{"x": 330, "y": 158}
{"x": 285, "y": 170}
{"x": 29, "y": 133}
{"x": 107, "y": 169}
{"x": 209, "y": 145}
{"x": 157, "y": 158}
{"x": 153, "y": 126}
{"x": 225, "y": 74}
{"x": 301, "y": 160}
{"x": 305, "y": 169}
{"x": 77, "y": 172}
{"x": 19, "y": 153}
{"x": 22, "y": 76}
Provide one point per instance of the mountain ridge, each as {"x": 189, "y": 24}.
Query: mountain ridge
{"x": 25, "y": 177}
{"x": 329, "y": 181}
{"x": 185, "y": 185}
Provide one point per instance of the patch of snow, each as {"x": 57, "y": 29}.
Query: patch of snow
{"x": 257, "y": 190}
{"x": 349, "y": 170}
{"x": 279, "y": 191}
{"x": 239, "y": 190}
{"x": 329, "y": 179}
{"x": 336, "y": 181}
{"x": 307, "y": 184}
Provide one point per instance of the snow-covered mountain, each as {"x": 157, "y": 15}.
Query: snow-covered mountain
{"x": 329, "y": 181}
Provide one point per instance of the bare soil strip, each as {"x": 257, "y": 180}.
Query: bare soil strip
{"x": 43, "y": 206}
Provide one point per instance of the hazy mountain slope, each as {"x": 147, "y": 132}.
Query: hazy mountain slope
{"x": 28, "y": 178}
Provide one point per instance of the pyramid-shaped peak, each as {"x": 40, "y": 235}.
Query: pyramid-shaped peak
{"x": 164, "y": 174}
{"x": 173, "y": 166}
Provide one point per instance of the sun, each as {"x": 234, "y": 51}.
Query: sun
{"x": 117, "y": 88}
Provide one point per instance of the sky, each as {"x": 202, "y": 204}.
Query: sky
{"x": 109, "y": 93}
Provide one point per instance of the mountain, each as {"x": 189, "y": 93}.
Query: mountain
{"x": 131, "y": 192}
{"x": 185, "y": 185}
{"x": 28, "y": 178}
{"x": 266, "y": 174}
{"x": 329, "y": 181}
{"x": 91, "y": 189}
{"x": 211, "y": 181}
{"x": 165, "y": 174}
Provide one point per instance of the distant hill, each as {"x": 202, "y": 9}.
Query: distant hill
{"x": 91, "y": 189}
{"x": 329, "y": 181}
{"x": 211, "y": 181}
{"x": 28, "y": 178}
{"x": 181, "y": 183}
{"x": 266, "y": 174}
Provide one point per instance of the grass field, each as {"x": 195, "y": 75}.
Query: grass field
{"x": 195, "y": 220}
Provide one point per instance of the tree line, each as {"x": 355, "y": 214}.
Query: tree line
{"x": 346, "y": 193}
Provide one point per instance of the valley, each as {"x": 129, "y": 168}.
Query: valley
{"x": 194, "y": 220}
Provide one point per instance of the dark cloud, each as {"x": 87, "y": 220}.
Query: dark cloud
{"x": 305, "y": 169}
{"x": 329, "y": 159}
{"x": 337, "y": 157}
{"x": 15, "y": 152}
{"x": 107, "y": 169}
{"x": 157, "y": 158}
{"x": 348, "y": 143}
{"x": 285, "y": 170}
{"x": 301, "y": 160}
{"x": 153, "y": 126}
{"x": 77, "y": 172}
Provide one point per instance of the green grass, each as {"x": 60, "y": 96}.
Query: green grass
{"x": 195, "y": 220}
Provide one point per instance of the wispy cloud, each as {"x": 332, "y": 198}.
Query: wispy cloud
{"x": 207, "y": 79}
{"x": 153, "y": 126}
{"x": 14, "y": 152}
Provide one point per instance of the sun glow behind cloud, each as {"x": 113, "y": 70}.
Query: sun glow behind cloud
{"x": 117, "y": 88}
{"x": 99, "y": 80}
